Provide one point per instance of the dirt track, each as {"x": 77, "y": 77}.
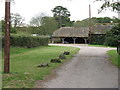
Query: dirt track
{"x": 90, "y": 68}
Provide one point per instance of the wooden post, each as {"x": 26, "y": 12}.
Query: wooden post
{"x": 63, "y": 40}
{"x": 74, "y": 39}
{"x": 7, "y": 38}
{"x": 85, "y": 40}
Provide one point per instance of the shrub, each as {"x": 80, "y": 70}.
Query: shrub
{"x": 98, "y": 39}
{"x": 27, "y": 41}
{"x": 113, "y": 36}
{"x": 57, "y": 40}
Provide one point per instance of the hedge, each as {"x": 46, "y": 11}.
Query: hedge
{"x": 98, "y": 39}
{"x": 27, "y": 41}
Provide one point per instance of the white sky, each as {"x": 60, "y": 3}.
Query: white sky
{"x": 79, "y": 9}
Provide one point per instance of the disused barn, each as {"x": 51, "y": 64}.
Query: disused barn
{"x": 79, "y": 34}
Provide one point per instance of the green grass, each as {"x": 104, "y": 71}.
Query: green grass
{"x": 24, "y": 70}
{"x": 100, "y": 46}
{"x": 114, "y": 57}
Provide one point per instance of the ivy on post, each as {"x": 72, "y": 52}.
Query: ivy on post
{"x": 7, "y": 38}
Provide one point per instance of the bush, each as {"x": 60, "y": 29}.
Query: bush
{"x": 98, "y": 39}
{"x": 27, "y": 41}
{"x": 113, "y": 36}
{"x": 57, "y": 40}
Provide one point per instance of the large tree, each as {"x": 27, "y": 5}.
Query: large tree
{"x": 37, "y": 20}
{"x": 16, "y": 20}
{"x": 44, "y": 24}
{"x": 49, "y": 25}
{"x": 62, "y": 15}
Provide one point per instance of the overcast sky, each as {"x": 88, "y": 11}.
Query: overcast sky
{"x": 79, "y": 9}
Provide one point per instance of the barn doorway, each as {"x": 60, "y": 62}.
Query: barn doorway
{"x": 69, "y": 40}
{"x": 78, "y": 40}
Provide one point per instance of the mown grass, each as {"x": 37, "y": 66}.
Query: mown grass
{"x": 115, "y": 58}
{"x": 100, "y": 46}
{"x": 24, "y": 70}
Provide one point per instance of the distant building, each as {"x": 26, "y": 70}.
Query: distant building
{"x": 79, "y": 34}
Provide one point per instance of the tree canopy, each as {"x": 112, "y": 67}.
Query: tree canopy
{"x": 60, "y": 11}
{"x": 16, "y": 19}
{"x": 90, "y": 22}
{"x": 111, "y": 4}
{"x": 62, "y": 15}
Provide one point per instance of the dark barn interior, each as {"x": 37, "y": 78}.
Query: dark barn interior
{"x": 80, "y": 40}
{"x": 77, "y": 41}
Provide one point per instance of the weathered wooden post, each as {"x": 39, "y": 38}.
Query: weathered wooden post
{"x": 7, "y": 38}
{"x": 63, "y": 40}
{"x": 85, "y": 40}
{"x": 74, "y": 39}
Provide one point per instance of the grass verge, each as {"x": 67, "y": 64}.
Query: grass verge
{"x": 24, "y": 70}
{"x": 115, "y": 58}
{"x": 100, "y": 46}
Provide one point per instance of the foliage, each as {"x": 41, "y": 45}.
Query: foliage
{"x": 48, "y": 28}
{"x": 102, "y": 19}
{"x": 60, "y": 11}
{"x": 97, "y": 39}
{"x": 114, "y": 5}
{"x": 12, "y": 29}
{"x": 27, "y": 41}
{"x": 3, "y": 25}
{"x": 113, "y": 36}
{"x": 85, "y": 23}
{"x": 43, "y": 25}
{"x": 37, "y": 20}
{"x": 24, "y": 62}
{"x": 62, "y": 15}
{"x": 49, "y": 25}
{"x": 16, "y": 20}
{"x": 115, "y": 20}
{"x": 90, "y": 22}
{"x": 114, "y": 57}
{"x": 57, "y": 40}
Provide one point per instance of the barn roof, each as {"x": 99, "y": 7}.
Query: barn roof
{"x": 71, "y": 32}
{"x": 80, "y": 31}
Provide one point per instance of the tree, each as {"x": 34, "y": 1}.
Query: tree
{"x": 16, "y": 19}
{"x": 85, "y": 23}
{"x": 49, "y": 25}
{"x": 12, "y": 29}
{"x": 104, "y": 20}
{"x": 113, "y": 36}
{"x": 37, "y": 20}
{"x": 60, "y": 11}
{"x": 61, "y": 15}
{"x": 115, "y": 20}
{"x": 111, "y": 4}
{"x": 44, "y": 24}
{"x": 3, "y": 25}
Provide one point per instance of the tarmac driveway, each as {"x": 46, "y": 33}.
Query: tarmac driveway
{"x": 90, "y": 68}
